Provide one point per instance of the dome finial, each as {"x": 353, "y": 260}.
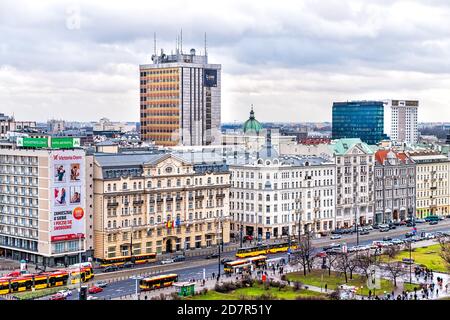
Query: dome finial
{"x": 252, "y": 113}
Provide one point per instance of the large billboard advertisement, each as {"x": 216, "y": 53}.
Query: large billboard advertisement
{"x": 67, "y": 203}
{"x": 210, "y": 78}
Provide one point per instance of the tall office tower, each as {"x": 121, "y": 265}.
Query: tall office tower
{"x": 180, "y": 100}
{"x": 359, "y": 119}
{"x": 404, "y": 121}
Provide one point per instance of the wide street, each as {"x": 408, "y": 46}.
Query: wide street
{"x": 194, "y": 268}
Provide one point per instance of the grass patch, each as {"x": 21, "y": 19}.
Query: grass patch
{"x": 38, "y": 293}
{"x": 337, "y": 279}
{"x": 258, "y": 290}
{"x": 427, "y": 256}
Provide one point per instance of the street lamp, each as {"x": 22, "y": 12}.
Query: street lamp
{"x": 136, "y": 278}
{"x": 356, "y": 227}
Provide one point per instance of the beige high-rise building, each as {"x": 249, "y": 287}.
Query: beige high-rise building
{"x": 180, "y": 98}
{"x": 158, "y": 203}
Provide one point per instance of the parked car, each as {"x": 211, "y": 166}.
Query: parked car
{"x": 369, "y": 228}
{"x": 58, "y": 296}
{"x": 212, "y": 256}
{"x": 335, "y": 237}
{"x": 409, "y": 234}
{"x": 384, "y": 229}
{"x": 179, "y": 258}
{"x": 410, "y": 224}
{"x": 128, "y": 264}
{"x": 392, "y": 226}
{"x": 337, "y": 231}
{"x": 387, "y": 238}
{"x": 397, "y": 241}
{"x": 433, "y": 222}
{"x": 363, "y": 232}
{"x": 65, "y": 293}
{"x": 167, "y": 261}
{"x": 91, "y": 298}
{"x": 111, "y": 269}
{"x": 420, "y": 221}
{"x": 376, "y": 226}
{"x": 332, "y": 246}
{"x": 248, "y": 238}
{"x": 95, "y": 289}
{"x": 101, "y": 284}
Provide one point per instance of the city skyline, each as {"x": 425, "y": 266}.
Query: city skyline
{"x": 62, "y": 59}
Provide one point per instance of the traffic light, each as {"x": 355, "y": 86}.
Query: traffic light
{"x": 83, "y": 293}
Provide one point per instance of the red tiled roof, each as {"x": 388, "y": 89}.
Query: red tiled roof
{"x": 381, "y": 155}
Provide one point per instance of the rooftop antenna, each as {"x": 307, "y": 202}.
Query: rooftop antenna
{"x": 154, "y": 43}
{"x": 206, "y": 53}
{"x": 181, "y": 41}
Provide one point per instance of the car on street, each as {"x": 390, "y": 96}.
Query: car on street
{"x": 433, "y": 223}
{"x": 410, "y": 224}
{"x": 58, "y": 296}
{"x": 92, "y": 298}
{"x": 363, "y": 232}
{"x": 110, "y": 269}
{"x": 335, "y": 237}
{"x": 179, "y": 258}
{"x": 225, "y": 260}
{"x": 420, "y": 221}
{"x": 101, "y": 284}
{"x": 392, "y": 226}
{"x": 248, "y": 238}
{"x": 334, "y": 251}
{"x": 128, "y": 264}
{"x": 384, "y": 229}
{"x": 167, "y": 261}
{"x": 387, "y": 238}
{"x": 65, "y": 293}
{"x": 212, "y": 256}
{"x": 94, "y": 290}
{"x": 409, "y": 234}
{"x": 368, "y": 228}
{"x": 332, "y": 246}
{"x": 397, "y": 241}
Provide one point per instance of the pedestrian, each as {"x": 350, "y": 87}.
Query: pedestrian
{"x": 326, "y": 287}
{"x": 446, "y": 288}
{"x": 213, "y": 274}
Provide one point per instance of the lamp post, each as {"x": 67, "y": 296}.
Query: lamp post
{"x": 136, "y": 278}
{"x": 356, "y": 227}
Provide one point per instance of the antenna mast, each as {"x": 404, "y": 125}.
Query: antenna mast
{"x": 154, "y": 43}
{"x": 206, "y": 52}
{"x": 181, "y": 41}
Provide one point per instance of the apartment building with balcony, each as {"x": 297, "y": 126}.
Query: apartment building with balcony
{"x": 159, "y": 203}
{"x": 395, "y": 186}
{"x": 432, "y": 183}
{"x": 45, "y": 207}
{"x": 355, "y": 162}
{"x": 273, "y": 196}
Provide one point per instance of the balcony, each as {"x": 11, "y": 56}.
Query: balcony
{"x": 113, "y": 204}
{"x": 138, "y": 202}
{"x": 220, "y": 195}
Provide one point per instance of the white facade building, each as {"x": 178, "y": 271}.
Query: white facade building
{"x": 404, "y": 121}
{"x": 270, "y": 195}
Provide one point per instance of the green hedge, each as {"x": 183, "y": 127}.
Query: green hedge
{"x": 28, "y": 295}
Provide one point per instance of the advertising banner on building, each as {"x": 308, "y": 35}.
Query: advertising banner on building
{"x": 65, "y": 143}
{"x": 210, "y": 78}
{"x": 32, "y": 142}
{"x": 67, "y": 204}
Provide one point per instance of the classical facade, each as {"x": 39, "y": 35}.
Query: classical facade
{"x": 355, "y": 163}
{"x": 395, "y": 186}
{"x": 271, "y": 196}
{"x": 432, "y": 184}
{"x": 157, "y": 203}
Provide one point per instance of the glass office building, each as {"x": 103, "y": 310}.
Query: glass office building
{"x": 359, "y": 119}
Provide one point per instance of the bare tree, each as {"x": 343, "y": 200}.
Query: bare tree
{"x": 342, "y": 264}
{"x": 331, "y": 260}
{"x": 445, "y": 250}
{"x": 392, "y": 251}
{"x": 305, "y": 253}
{"x": 395, "y": 270}
{"x": 352, "y": 264}
{"x": 364, "y": 259}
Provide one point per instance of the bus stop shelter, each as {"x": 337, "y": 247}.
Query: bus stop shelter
{"x": 185, "y": 289}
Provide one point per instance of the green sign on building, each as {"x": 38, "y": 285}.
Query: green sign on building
{"x": 32, "y": 142}
{"x": 65, "y": 143}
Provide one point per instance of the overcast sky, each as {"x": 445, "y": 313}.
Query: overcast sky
{"x": 79, "y": 60}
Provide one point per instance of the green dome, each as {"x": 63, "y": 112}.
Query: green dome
{"x": 252, "y": 125}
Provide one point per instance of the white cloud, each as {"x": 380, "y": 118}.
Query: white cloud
{"x": 294, "y": 56}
